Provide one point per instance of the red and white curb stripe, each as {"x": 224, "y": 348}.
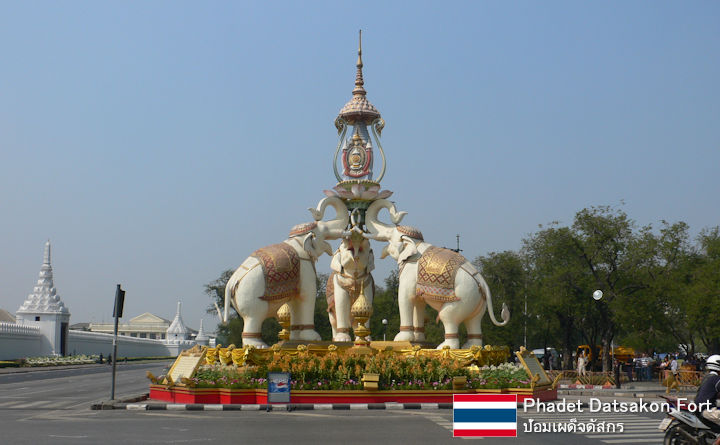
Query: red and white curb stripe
{"x": 274, "y": 407}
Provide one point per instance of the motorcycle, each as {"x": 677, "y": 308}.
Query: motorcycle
{"x": 684, "y": 427}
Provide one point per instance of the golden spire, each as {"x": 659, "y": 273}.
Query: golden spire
{"x": 359, "y": 76}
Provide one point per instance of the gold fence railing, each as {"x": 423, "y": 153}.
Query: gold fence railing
{"x": 588, "y": 378}
{"x": 683, "y": 378}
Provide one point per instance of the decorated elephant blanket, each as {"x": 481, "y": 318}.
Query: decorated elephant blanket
{"x": 281, "y": 265}
{"x": 437, "y": 268}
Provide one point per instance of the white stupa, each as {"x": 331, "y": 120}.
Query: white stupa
{"x": 177, "y": 330}
{"x": 44, "y": 308}
{"x": 202, "y": 338}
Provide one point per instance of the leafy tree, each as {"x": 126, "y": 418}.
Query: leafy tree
{"x": 321, "y": 318}
{"x": 506, "y": 275}
{"x": 703, "y": 308}
{"x": 385, "y": 306}
{"x": 557, "y": 284}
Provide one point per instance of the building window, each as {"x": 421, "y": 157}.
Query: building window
{"x": 152, "y": 336}
{"x": 162, "y": 336}
{"x": 37, "y": 318}
{"x": 143, "y": 335}
{"x": 134, "y": 334}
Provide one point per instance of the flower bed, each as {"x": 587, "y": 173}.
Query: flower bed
{"x": 333, "y": 372}
{"x": 60, "y": 361}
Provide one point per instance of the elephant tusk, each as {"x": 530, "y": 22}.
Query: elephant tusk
{"x": 220, "y": 315}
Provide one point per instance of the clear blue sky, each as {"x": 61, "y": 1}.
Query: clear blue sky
{"x": 159, "y": 143}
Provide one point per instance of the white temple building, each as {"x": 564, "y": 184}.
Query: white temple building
{"x": 41, "y": 328}
{"x": 145, "y": 325}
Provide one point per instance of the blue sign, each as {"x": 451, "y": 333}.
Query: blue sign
{"x": 278, "y": 387}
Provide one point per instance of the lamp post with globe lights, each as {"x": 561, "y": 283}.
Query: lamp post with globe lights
{"x": 597, "y": 296}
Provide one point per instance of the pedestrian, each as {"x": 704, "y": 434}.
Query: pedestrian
{"x": 637, "y": 362}
{"x": 617, "y": 374}
{"x": 674, "y": 368}
{"x": 629, "y": 368}
{"x": 644, "y": 367}
{"x": 581, "y": 361}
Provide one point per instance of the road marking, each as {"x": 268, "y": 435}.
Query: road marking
{"x": 615, "y": 436}
{"x": 28, "y": 405}
{"x": 645, "y": 440}
{"x": 302, "y": 414}
{"x": 10, "y": 404}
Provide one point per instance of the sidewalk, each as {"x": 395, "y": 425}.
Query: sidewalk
{"x": 628, "y": 390}
{"x": 49, "y": 368}
{"x": 79, "y": 366}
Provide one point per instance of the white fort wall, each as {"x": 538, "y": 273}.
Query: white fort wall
{"x": 22, "y": 341}
{"x": 84, "y": 342}
{"x": 42, "y": 329}
{"x": 18, "y": 341}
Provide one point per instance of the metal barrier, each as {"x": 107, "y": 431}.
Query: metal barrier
{"x": 684, "y": 378}
{"x": 588, "y": 378}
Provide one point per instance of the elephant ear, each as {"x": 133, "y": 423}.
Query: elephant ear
{"x": 335, "y": 262}
{"x": 409, "y": 249}
{"x": 309, "y": 244}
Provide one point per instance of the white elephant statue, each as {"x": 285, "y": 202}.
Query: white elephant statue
{"x": 440, "y": 277}
{"x": 351, "y": 266}
{"x": 285, "y": 273}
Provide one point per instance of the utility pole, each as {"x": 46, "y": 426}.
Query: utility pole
{"x": 117, "y": 313}
{"x": 457, "y": 249}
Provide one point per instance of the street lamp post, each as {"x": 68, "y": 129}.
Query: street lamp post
{"x": 384, "y": 323}
{"x": 597, "y": 295}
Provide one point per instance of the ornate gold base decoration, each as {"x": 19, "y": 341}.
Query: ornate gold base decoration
{"x": 361, "y": 311}
{"x": 283, "y": 317}
{"x": 459, "y": 383}
{"x": 370, "y": 381}
{"x": 249, "y": 355}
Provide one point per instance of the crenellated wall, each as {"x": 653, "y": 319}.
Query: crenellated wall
{"x": 84, "y": 342}
{"x": 18, "y": 341}
{"x": 21, "y": 341}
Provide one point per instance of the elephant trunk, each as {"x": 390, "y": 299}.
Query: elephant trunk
{"x": 332, "y": 229}
{"x": 379, "y": 230}
{"x": 504, "y": 313}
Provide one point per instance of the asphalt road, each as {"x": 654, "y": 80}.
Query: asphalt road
{"x": 55, "y": 409}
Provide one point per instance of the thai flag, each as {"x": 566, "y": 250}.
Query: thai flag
{"x": 484, "y": 415}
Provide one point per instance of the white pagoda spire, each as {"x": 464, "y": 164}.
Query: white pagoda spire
{"x": 177, "y": 329}
{"x": 202, "y": 338}
{"x": 44, "y": 298}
